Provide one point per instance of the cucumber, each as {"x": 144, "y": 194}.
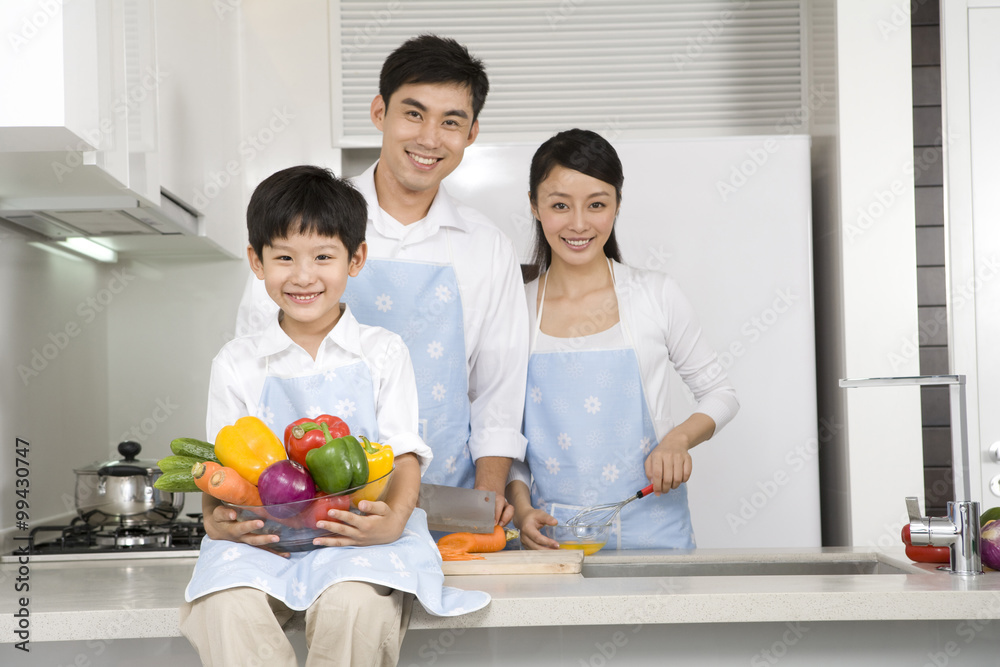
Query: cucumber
{"x": 198, "y": 449}
{"x": 177, "y": 463}
{"x": 176, "y": 482}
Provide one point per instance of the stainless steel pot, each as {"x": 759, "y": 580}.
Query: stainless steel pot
{"x": 121, "y": 492}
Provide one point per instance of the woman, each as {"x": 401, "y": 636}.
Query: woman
{"x": 604, "y": 338}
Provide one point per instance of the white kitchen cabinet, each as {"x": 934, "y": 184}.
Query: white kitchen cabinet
{"x": 78, "y": 116}
{"x": 970, "y": 61}
{"x": 202, "y": 151}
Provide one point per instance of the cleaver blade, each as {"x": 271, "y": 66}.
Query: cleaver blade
{"x": 456, "y": 510}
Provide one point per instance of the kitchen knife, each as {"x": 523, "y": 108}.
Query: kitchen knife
{"x": 457, "y": 510}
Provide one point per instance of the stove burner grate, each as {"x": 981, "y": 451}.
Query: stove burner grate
{"x": 80, "y": 538}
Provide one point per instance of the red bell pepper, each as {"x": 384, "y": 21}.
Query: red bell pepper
{"x": 305, "y": 434}
{"x": 925, "y": 554}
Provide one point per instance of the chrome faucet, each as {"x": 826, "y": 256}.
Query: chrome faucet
{"x": 959, "y": 531}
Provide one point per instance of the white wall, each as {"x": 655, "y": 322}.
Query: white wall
{"x": 866, "y": 282}
{"x": 53, "y": 392}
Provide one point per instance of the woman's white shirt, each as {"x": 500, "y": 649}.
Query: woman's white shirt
{"x": 661, "y": 324}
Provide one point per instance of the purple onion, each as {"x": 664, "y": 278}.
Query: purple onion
{"x": 285, "y": 482}
{"x": 990, "y": 544}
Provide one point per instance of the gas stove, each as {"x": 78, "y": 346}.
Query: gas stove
{"x": 80, "y": 541}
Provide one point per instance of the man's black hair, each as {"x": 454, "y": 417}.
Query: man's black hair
{"x": 433, "y": 59}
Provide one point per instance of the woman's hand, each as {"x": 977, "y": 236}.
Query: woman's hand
{"x": 221, "y": 524}
{"x": 379, "y": 524}
{"x": 669, "y": 464}
{"x": 530, "y": 525}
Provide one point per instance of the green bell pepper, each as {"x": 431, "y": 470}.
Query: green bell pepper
{"x": 338, "y": 465}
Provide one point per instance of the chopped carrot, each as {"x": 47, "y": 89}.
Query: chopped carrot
{"x": 224, "y": 483}
{"x": 462, "y": 546}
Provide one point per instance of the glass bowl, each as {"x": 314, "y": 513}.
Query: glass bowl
{"x": 588, "y": 538}
{"x": 295, "y": 523}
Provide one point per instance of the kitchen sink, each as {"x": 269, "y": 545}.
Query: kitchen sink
{"x": 740, "y": 568}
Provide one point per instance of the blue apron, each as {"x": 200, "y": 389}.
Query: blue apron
{"x": 411, "y": 564}
{"x": 589, "y": 432}
{"x": 420, "y": 301}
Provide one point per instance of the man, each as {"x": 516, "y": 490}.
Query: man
{"x": 440, "y": 274}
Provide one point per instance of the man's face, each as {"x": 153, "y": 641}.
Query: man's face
{"x": 426, "y": 128}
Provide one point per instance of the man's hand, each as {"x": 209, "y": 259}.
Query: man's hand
{"x": 491, "y": 475}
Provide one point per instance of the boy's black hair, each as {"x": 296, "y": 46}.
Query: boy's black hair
{"x": 306, "y": 199}
{"x": 433, "y": 59}
{"x": 588, "y": 153}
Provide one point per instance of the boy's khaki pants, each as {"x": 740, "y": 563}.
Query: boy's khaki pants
{"x": 350, "y": 623}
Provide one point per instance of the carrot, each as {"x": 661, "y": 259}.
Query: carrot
{"x": 463, "y": 546}
{"x": 224, "y": 483}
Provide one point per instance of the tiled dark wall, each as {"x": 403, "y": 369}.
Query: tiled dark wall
{"x": 931, "y": 289}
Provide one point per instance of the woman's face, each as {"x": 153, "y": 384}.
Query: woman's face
{"x": 577, "y": 213}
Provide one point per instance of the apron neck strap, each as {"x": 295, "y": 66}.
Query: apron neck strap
{"x": 541, "y": 306}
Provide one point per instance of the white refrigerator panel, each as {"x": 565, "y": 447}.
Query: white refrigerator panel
{"x": 729, "y": 219}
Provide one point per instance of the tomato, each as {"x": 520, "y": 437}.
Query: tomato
{"x": 318, "y": 509}
{"x": 926, "y": 554}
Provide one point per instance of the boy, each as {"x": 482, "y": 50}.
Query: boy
{"x": 441, "y": 274}
{"x": 307, "y": 239}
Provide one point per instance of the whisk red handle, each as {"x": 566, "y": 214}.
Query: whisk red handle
{"x": 645, "y": 492}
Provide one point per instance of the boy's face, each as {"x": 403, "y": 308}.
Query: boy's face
{"x": 306, "y": 274}
{"x": 426, "y": 128}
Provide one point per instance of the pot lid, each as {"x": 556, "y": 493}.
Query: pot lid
{"x": 128, "y": 465}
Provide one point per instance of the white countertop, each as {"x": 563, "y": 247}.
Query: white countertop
{"x": 120, "y": 599}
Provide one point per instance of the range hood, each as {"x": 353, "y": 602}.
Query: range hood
{"x": 59, "y": 219}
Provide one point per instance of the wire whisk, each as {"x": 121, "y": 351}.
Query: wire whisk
{"x": 602, "y": 515}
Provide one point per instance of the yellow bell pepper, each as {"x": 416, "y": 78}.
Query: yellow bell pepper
{"x": 380, "y": 464}
{"x": 380, "y": 458}
{"x": 248, "y": 447}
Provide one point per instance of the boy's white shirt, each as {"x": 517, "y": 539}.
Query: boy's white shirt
{"x": 241, "y": 367}
{"x": 495, "y": 316}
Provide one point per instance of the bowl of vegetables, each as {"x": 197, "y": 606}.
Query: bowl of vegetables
{"x": 587, "y": 538}
{"x": 294, "y": 522}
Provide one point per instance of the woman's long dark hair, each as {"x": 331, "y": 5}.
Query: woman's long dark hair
{"x": 588, "y": 153}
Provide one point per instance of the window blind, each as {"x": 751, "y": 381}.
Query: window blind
{"x": 630, "y": 68}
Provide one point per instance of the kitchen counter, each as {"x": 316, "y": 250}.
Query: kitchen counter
{"x": 120, "y": 599}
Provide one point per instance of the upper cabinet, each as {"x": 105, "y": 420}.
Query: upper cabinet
{"x": 97, "y": 137}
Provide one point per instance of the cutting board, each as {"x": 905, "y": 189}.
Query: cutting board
{"x": 559, "y": 561}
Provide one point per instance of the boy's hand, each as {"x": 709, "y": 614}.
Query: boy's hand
{"x": 530, "y": 527}
{"x": 378, "y": 525}
{"x": 221, "y": 524}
